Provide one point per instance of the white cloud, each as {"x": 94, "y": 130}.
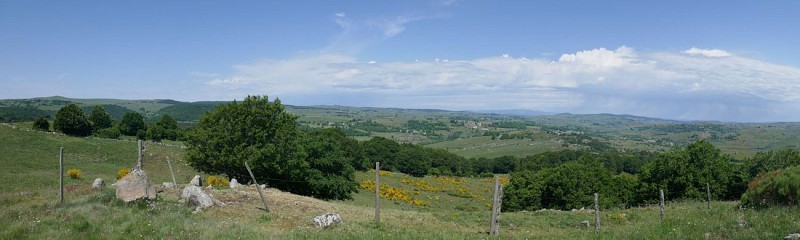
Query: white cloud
{"x": 660, "y": 84}
{"x": 708, "y": 52}
{"x": 340, "y": 14}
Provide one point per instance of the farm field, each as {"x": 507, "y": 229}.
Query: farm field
{"x": 446, "y": 207}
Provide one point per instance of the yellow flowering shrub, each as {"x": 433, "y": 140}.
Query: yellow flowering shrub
{"x": 420, "y": 184}
{"x": 392, "y": 194}
{"x": 74, "y": 173}
{"x": 122, "y": 172}
{"x": 217, "y": 181}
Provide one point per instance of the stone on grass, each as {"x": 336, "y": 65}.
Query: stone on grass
{"x": 326, "y": 220}
{"x": 196, "y": 197}
{"x": 793, "y": 236}
{"x": 234, "y": 184}
{"x": 585, "y": 223}
{"x": 98, "y": 184}
{"x": 135, "y": 185}
{"x": 168, "y": 184}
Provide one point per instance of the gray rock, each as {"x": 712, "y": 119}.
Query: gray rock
{"x": 196, "y": 197}
{"x": 585, "y": 223}
{"x": 234, "y": 184}
{"x": 98, "y": 184}
{"x": 326, "y": 220}
{"x": 135, "y": 185}
{"x": 793, "y": 236}
{"x": 196, "y": 181}
{"x": 168, "y": 185}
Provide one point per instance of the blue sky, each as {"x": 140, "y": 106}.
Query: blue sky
{"x": 689, "y": 60}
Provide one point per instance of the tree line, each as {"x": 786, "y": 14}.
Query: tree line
{"x": 72, "y": 120}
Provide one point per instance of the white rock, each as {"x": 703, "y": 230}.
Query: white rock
{"x": 793, "y": 236}
{"x": 195, "y": 181}
{"x": 135, "y": 185}
{"x": 326, "y": 220}
{"x": 195, "y": 196}
{"x": 168, "y": 184}
{"x": 234, "y": 184}
{"x": 98, "y": 184}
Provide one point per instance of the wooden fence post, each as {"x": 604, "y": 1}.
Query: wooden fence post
{"x": 378, "y": 193}
{"x": 708, "y": 190}
{"x": 661, "y": 194}
{"x": 497, "y": 203}
{"x": 596, "y": 212}
{"x": 61, "y": 173}
{"x": 263, "y": 200}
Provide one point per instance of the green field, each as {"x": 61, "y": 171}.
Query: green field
{"x": 447, "y": 207}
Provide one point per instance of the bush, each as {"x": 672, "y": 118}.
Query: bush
{"x": 217, "y": 181}
{"x": 41, "y": 124}
{"x": 71, "y": 121}
{"x": 122, "y": 172}
{"x": 74, "y": 173}
{"x": 779, "y": 187}
{"x": 112, "y": 133}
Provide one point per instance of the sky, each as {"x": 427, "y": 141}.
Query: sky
{"x": 733, "y": 61}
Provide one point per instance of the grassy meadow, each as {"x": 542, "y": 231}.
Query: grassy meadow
{"x": 423, "y": 208}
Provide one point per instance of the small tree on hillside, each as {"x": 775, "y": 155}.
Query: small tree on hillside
{"x": 684, "y": 173}
{"x": 263, "y": 134}
{"x": 99, "y": 118}
{"x": 71, "y": 121}
{"x": 131, "y": 123}
{"x": 41, "y": 124}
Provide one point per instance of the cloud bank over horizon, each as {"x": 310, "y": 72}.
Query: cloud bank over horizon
{"x": 696, "y": 84}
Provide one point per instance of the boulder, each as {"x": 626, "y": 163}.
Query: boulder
{"x": 98, "y": 184}
{"x": 196, "y": 197}
{"x": 234, "y": 184}
{"x": 168, "y": 184}
{"x": 196, "y": 181}
{"x": 135, "y": 186}
{"x": 793, "y": 236}
{"x": 326, "y": 220}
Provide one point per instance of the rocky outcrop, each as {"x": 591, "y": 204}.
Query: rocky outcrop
{"x": 168, "y": 185}
{"x": 136, "y": 185}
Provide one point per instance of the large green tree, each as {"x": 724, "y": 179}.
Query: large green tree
{"x": 684, "y": 173}
{"x": 263, "y": 134}
{"x": 99, "y": 118}
{"x": 131, "y": 124}
{"x": 71, "y": 121}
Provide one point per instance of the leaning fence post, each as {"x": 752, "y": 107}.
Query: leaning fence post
{"x": 61, "y": 173}
{"x": 661, "y": 194}
{"x": 263, "y": 200}
{"x": 377, "y": 193}
{"x": 596, "y": 213}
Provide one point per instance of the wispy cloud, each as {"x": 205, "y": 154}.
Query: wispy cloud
{"x": 708, "y": 52}
{"x": 359, "y": 33}
{"x": 677, "y": 85}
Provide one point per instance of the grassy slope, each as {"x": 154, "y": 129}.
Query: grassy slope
{"x": 29, "y": 209}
